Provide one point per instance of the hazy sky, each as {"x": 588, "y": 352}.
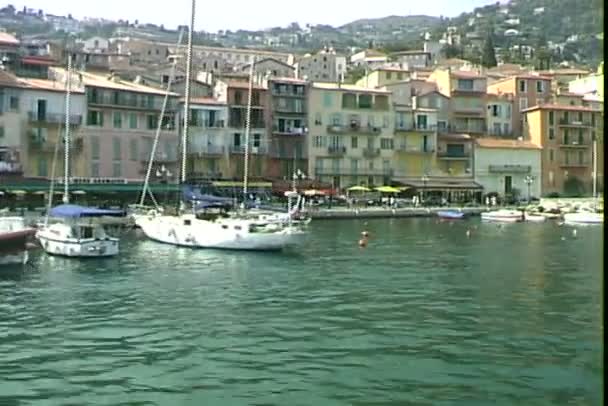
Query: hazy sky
{"x": 248, "y": 14}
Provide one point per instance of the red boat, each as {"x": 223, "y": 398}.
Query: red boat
{"x": 14, "y": 236}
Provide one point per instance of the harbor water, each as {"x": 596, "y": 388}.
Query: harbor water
{"x": 424, "y": 315}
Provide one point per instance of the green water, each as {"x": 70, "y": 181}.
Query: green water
{"x": 423, "y": 315}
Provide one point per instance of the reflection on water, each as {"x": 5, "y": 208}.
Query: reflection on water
{"x": 423, "y": 315}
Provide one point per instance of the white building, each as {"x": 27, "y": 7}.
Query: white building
{"x": 499, "y": 115}
{"x": 96, "y": 45}
{"x": 324, "y": 66}
{"x": 502, "y": 165}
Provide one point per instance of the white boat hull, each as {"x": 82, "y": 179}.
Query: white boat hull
{"x": 502, "y": 216}
{"x": 20, "y": 258}
{"x": 220, "y": 235}
{"x": 72, "y": 247}
{"x": 583, "y": 218}
{"x": 534, "y": 218}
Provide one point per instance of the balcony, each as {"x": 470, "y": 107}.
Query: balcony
{"x": 207, "y": 150}
{"x": 574, "y": 123}
{"x": 468, "y": 111}
{"x": 159, "y": 159}
{"x": 41, "y": 144}
{"x": 463, "y": 128}
{"x": 289, "y": 131}
{"x": 354, "y": 127}
{"x": 454, "y": 155}
{"x": 207, "y": 124}
{"x": 415, "y": 149}
{"x": 509, "y": 168}
{"x": 336, "y": 151}
{"x": 414, "y": 127}
{"x": 573, "y": 144}
{"x": 10, "y": 168}
{"x": 353, "y": 171}
{"x": 578, "y": 164}
{"x": 290, "y": 109}
{"x": 240, "y": 149}
{"x": 139, "y": 104}
{"x": 34, "y": 117}
{"x": 288, "y": 91}
{"x": 371, "y": 152}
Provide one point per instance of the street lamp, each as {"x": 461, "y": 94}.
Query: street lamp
{"x": 164, "y": 175}
{"x": 528, "y": 180}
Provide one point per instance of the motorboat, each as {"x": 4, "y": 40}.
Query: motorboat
{"x": 503, "y": 216}
{"x": 14, "y": 236}
{"x": 583, "y": 218}
{"x": 534, "y": 217}
{"x": 451, "y": 214}
{"x": 77, "y": 234}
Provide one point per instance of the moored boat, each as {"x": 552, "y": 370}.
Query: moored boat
{"x": 14, "y": 235}
{"x": 503, "y": 216}
{"x": 534, "y": 217}
{"x": 583, "y": 217}
{"x": 450, "y": 214}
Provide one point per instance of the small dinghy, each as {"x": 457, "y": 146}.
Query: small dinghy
{"x": 450, "y": 214}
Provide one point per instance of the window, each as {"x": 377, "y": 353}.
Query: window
{"x": 117, "y": 169}
{"x": 327, "y": 99}
{"x": 386, "y": 143}
{"x": 319, "y": 141}
{"x": 257, "y": 140}
{"x": 551, "y": 133}
{"x": 152, "y": 121}
{"x": 389, "y": 75}
{"x": 354, "y": 165}
{"x": 551, "y": 118}
{"x": 116, "y": 149}
{"x": 1, "y": 132}
{"x": 581, "y": 138}
{"x": 133, "y": 121}
{"x": 353, "y": 142}
{"x": 94, "y": 169}
{"x": 421, "y": 122}
{"x": 117, "y": 119}
{"x": 385, "y": 122}
{"x": 592, "y": 120}
{"x": 540, "y": 86}
{"x": 14, "y": 103}
{"x": 336, "y": 119}
{"x": 133, "y": 150}
{"x": 365, "y": 101}
{"x": 508, "y": 112}
{"x": 566, "y": 137}
{"x": 497, "y": 127}
{"x": 522, "y": 86}
{"x": 581, "y": 157}
{"x": 505, "y": 128}
{"x": 566, "y": 116}
{"x": 318, "y": 120}
{"x": 236, "y": 140}
{"x": 465, "y": 84}
{"x": 523, "y": 103}
{"x": 399, "y": 76}
{"x": 42, "y": 167}
{"x": 94, "y": 148}
{"x": 95, "y": 118}
{"x": 551, "y": 155}
{"x": 495, "y": 110}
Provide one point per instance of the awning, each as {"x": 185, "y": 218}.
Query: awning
{"x": 358, "y": 189}
{"x": 75, "y": 211}
{"x": 388, "y": 189}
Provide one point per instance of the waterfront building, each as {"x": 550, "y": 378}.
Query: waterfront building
{"x": 566, "y": 134}
{"x": 270, "y": 67}
{"x": 208, "y": 139}
{"x": 12, "y": 127}
{"x": 384, "y": 76}
{"x": 369, "y": 58}
{"x": 120, "y": 126}
{"x": 413, "y": 59}
{"x": 499, "y": 115}
{"x": 503, "y": 166}
{"x": 527, "y": 90}
{"x": 235, "y": 95}
{"x": 287, "y": 127}
{"x": 324, "y": 66}
{"x": 351, "y": 135}
{"x": 592, "y": 84}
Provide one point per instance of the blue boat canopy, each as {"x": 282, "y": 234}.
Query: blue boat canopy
{"x": 191, "y": 194}
{"x": 75, "y": 211}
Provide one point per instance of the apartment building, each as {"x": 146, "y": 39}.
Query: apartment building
{"x": 368, "y": 58}
{"x": 527, "y": 91}
{"x": 121, "y": 123}
{"x": 592, "y": 84}
{"x": 324, "y": 66}
{"x": 384, "y": 76}
{"x": 413, "y": 59}
{"x": 351, "y": 135}
{"x": 502, "y": 165}
{"x": 467, "y": 92}
{"x": 235, "y": 94}
{"x": 566, "y": 134}
{"x": 499, "y": 115}
{"x": 404, "y": 91}
{"x": 12, "y": 127}
{"x": 270, "y": 67}
{"x": 208, "y": 139}
{"x": 288, "y": 127}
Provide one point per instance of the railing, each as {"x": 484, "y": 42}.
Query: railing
{"x": 289, "y": 91}
{"x": 578, "y": 164}
{"x": 290, "y": 131}
{"x": 510, "y": 168}
{"x": 39, "y": 144}
{"x": 53, "y": 118}
{"x": 574, "y": 123}
{"x": 336, "y": 150}
{"x": 139, "y": 103}
{"x": 10, "y": 168}
{"x": 414, "y": 127}
{"x": 354, "y": 171}
{"x": 208, "y": 124}
{"x": 207, "y": 150}
{"x": 420, "y": 149}
{"x": 454, "y": 154}
{"x": 159, "y": 158}
{"x": 468, "y": 110}
{"x": 353, "y": 127}
{"x": 371, "y": 152}
{"x": 252, "y": 150}
{"x": 277, "y": 153}
{"x": 290, "y": 109}
{"x": 467, "y": 128}
{"x": 573, "y": 144}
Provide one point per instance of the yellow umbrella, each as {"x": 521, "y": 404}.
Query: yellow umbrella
{"x": 19, "y": 192}
{"x": 388, "y": 189}
{"x": 358, "y": 189}
{"x": 404, "y": 188}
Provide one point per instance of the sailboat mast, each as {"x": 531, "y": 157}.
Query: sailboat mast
{"x": 187, "y": 94}
{"x": 594, "y": 157}
{"x": 66, "y": 156}
{"x": 247, "y": 130}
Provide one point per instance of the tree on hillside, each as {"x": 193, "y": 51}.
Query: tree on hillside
{"x": 452, "y": 51}
{"x": 488, "y": 56}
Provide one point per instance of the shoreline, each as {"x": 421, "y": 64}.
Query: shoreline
{"x": 365, "y": 213}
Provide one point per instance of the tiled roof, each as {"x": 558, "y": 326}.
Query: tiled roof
{"x": 561, "y": 107}
{"x": 467, "y": 75}
{"x": 105, "y": 82}
{"x": 8, "y": 39}
{"x": 289, "y": 80}
{"x": 347, "y": 87}
{"x": 49, "y": 85}
{"x": 505, "y": 143}
{"x": 238, "y": 84}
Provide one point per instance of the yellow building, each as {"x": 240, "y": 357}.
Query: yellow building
{"x": 350, "y": 135}
{"x": 383, "y": 76}
{"x": 566, "y": 134}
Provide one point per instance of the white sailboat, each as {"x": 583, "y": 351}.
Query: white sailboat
{"x": 74, "y": 235}
{"x": 188, "y": 229}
